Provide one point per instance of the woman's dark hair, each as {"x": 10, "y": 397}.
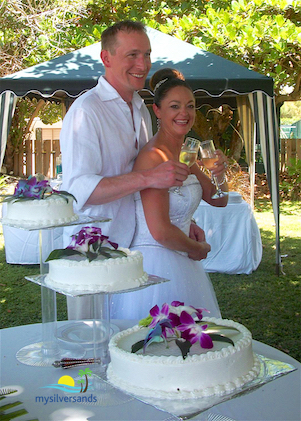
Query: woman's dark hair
{"x": 108, "y": 37}
{"x": 165, "y": 79}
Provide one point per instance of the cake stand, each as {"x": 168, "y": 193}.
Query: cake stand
{"x": 93, "y": 335}
{"x": 45, "y": 352}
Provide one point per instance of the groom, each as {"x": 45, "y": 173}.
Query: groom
{"x": 102, "y": 134}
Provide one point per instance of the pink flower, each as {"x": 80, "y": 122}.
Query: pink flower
{"x": 158, "y": 314}
{"x": 194, "y": 332}
{"x": 89, "y": 239}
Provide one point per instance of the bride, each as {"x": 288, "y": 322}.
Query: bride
{"x": 163, "y": 217}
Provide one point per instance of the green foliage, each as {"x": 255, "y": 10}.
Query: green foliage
{"x": 290, "y": 181}
{"x": 18, "y": 131}
{"x": 290, "y": 112}
{"x": 51, "y": 113}
{"x": 33, "y": 32}
{"x": 264, "y": 36}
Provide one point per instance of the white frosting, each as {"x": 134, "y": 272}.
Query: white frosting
{"x": 77, "y": 274}
{"x": 163, "y": 373}
{"x": 54, "y": 210}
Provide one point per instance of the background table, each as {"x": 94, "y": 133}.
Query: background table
{"x": 234, "y": 237}
{"x": 278, "y": 400}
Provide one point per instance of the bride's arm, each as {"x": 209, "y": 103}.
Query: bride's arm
{"x": 156, "y": 209}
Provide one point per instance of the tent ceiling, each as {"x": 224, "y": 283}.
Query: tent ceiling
{"x": 72, "y": 74}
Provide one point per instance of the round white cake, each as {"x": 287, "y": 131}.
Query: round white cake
{"x": 77, "y": 274}
{"x": 162, "y": 372}
{"x": 53, "y": 210}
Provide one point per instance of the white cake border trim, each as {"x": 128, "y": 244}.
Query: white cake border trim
{"x": 97, "y": 288}
{"x": 39, "y": 222}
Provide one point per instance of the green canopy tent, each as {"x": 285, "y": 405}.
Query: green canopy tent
{"x": 211, "y": 77}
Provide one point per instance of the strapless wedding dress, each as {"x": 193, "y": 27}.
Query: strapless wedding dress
{"x": 188, "y": 281}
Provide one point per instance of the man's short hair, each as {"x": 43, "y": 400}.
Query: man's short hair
{"x": 108, "y": 37}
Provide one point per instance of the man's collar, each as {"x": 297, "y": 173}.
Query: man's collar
{"x": 108, "y": 93}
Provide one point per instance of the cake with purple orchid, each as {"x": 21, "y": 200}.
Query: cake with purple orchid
{"x": 177, "y": 353}
{"x": 36, "y": 204}
{"x": 93, "y": 263}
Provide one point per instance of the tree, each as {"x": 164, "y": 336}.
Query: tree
{"x": 33, "y": 31}
{"x": 87, "y": 372}
{"x": 263, "y": 35}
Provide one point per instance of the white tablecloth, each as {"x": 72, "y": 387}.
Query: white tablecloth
{"x": 278, "y": 400}
{"x": 233, "y": 235}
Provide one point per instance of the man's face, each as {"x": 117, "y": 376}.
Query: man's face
{"x": 127, "y": 67}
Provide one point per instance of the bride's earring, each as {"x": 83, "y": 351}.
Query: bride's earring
{"x": 158, "y": 123}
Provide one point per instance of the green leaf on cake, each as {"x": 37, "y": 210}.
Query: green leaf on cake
{"x": 91, "y": 256}
{"x": 220, "y": 338}
{"x": 146, "y": 321}
{"x": 65, "y": 195}
{"x": 111, "y": 253}
{"x": 137, "y": 346}
{"x": 62, "y": 253}
{"x": 213, "y": 326}
{"x": 184, "y": 347}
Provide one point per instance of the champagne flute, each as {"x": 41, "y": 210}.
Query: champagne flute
{"x": 209, "y": 159}
{"x": 188, "y": 155}
{"x": 189, "y": 151}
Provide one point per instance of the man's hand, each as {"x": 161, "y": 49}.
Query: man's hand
{"x": 166, "y": 175}
{"x": 196, "y": 233}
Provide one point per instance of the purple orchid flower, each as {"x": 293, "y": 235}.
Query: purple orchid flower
{"x": 194, "y": 332}
{"x": 163, "y": 314}
{"x": 88, "y": 236}
{"x": 177, "y": 303}
{"x": 158, "y": 314}
{"x": 32, "y": 188}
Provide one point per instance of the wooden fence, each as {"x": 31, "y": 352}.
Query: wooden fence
{"x": 38, "y": 155}
{"x": 290, "y": 152}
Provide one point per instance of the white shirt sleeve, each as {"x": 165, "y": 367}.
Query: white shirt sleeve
{"x": 82, "y": 158}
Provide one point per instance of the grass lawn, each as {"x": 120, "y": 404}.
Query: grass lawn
{"x": 269, "y": 305}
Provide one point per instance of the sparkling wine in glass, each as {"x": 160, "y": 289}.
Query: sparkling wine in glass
{"x": 188, "y": 156}
{"x": 209, "y": 159}
{"x": 189, "y": 151}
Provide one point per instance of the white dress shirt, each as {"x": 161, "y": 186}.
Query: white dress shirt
{"x": 98, "y": 139}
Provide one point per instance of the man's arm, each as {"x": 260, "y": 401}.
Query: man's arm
{"x": 163, "y": 176}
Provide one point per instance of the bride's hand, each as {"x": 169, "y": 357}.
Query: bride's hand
{"x": 200, "y": 252}
{"x": 221, "y": 165}
{"x": 196, "y": 233}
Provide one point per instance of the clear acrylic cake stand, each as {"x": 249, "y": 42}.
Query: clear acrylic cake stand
{"x": 45, "y": 352}
{"x": 94, "y": 334}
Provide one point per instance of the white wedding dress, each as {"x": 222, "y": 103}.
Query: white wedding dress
{"x": 188, "y": 281}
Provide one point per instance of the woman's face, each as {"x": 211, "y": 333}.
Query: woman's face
{"x": 177, "y": 111}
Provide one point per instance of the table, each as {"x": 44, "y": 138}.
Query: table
{"x": 278, "y": 400}
{"x": 233, "y": 235}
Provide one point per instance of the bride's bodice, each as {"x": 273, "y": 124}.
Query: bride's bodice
{"x": 182, "y": 205}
